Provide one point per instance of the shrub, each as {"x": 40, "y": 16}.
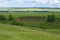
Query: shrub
{"x": 33, "y": 25}
{"x": 10, "y": 17}
{"x": 21, "y": 24}
{"x": 51, "y": 18}
{"x": 2, "y": 17}
{"x": 14, "y": 22}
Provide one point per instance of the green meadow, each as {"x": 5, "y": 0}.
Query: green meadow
{"x": 29, "y": 31}
{"x": 28, "y": 13}
{"x": 12, "y": 32}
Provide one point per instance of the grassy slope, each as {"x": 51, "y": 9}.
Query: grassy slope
{"x": 11, "y": 32}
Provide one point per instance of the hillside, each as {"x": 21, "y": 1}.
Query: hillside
{"x": 12, "y": 32}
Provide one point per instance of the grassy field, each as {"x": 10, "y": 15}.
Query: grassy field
{"x": 21, "y": 14}
{"x": 37, "y": 23}
{"x": 12, "y": 32}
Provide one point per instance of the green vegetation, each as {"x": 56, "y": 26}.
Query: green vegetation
{"x": 2, "y": 17}
{"x": 52, "y": 18}
{"x": 26, "y": 25}
{"x": 12, "y": 32}
{"x": 10, "y": 18}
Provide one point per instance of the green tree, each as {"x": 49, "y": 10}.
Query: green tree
{"x": 10, "y": 17}
{"x": 2, "y": 17}
{"x": 51, "y": 18}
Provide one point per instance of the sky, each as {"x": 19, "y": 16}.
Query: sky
{"x": 30, "y": 3}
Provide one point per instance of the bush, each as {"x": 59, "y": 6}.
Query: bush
{"x": 10, "y": 17}
{"x": 14, "y": 22}
{"x": 21, "y": 24}
{"x": 51, "y": 18}
{"x": 2, "y": 17}
{"x": 33, "y": 25}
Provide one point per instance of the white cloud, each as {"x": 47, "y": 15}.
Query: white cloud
{"x": 1, "y": 4}
{"x": 20, "y": 3}
{"x": 56, "y": 1}
{"x": 42, "y": 1}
